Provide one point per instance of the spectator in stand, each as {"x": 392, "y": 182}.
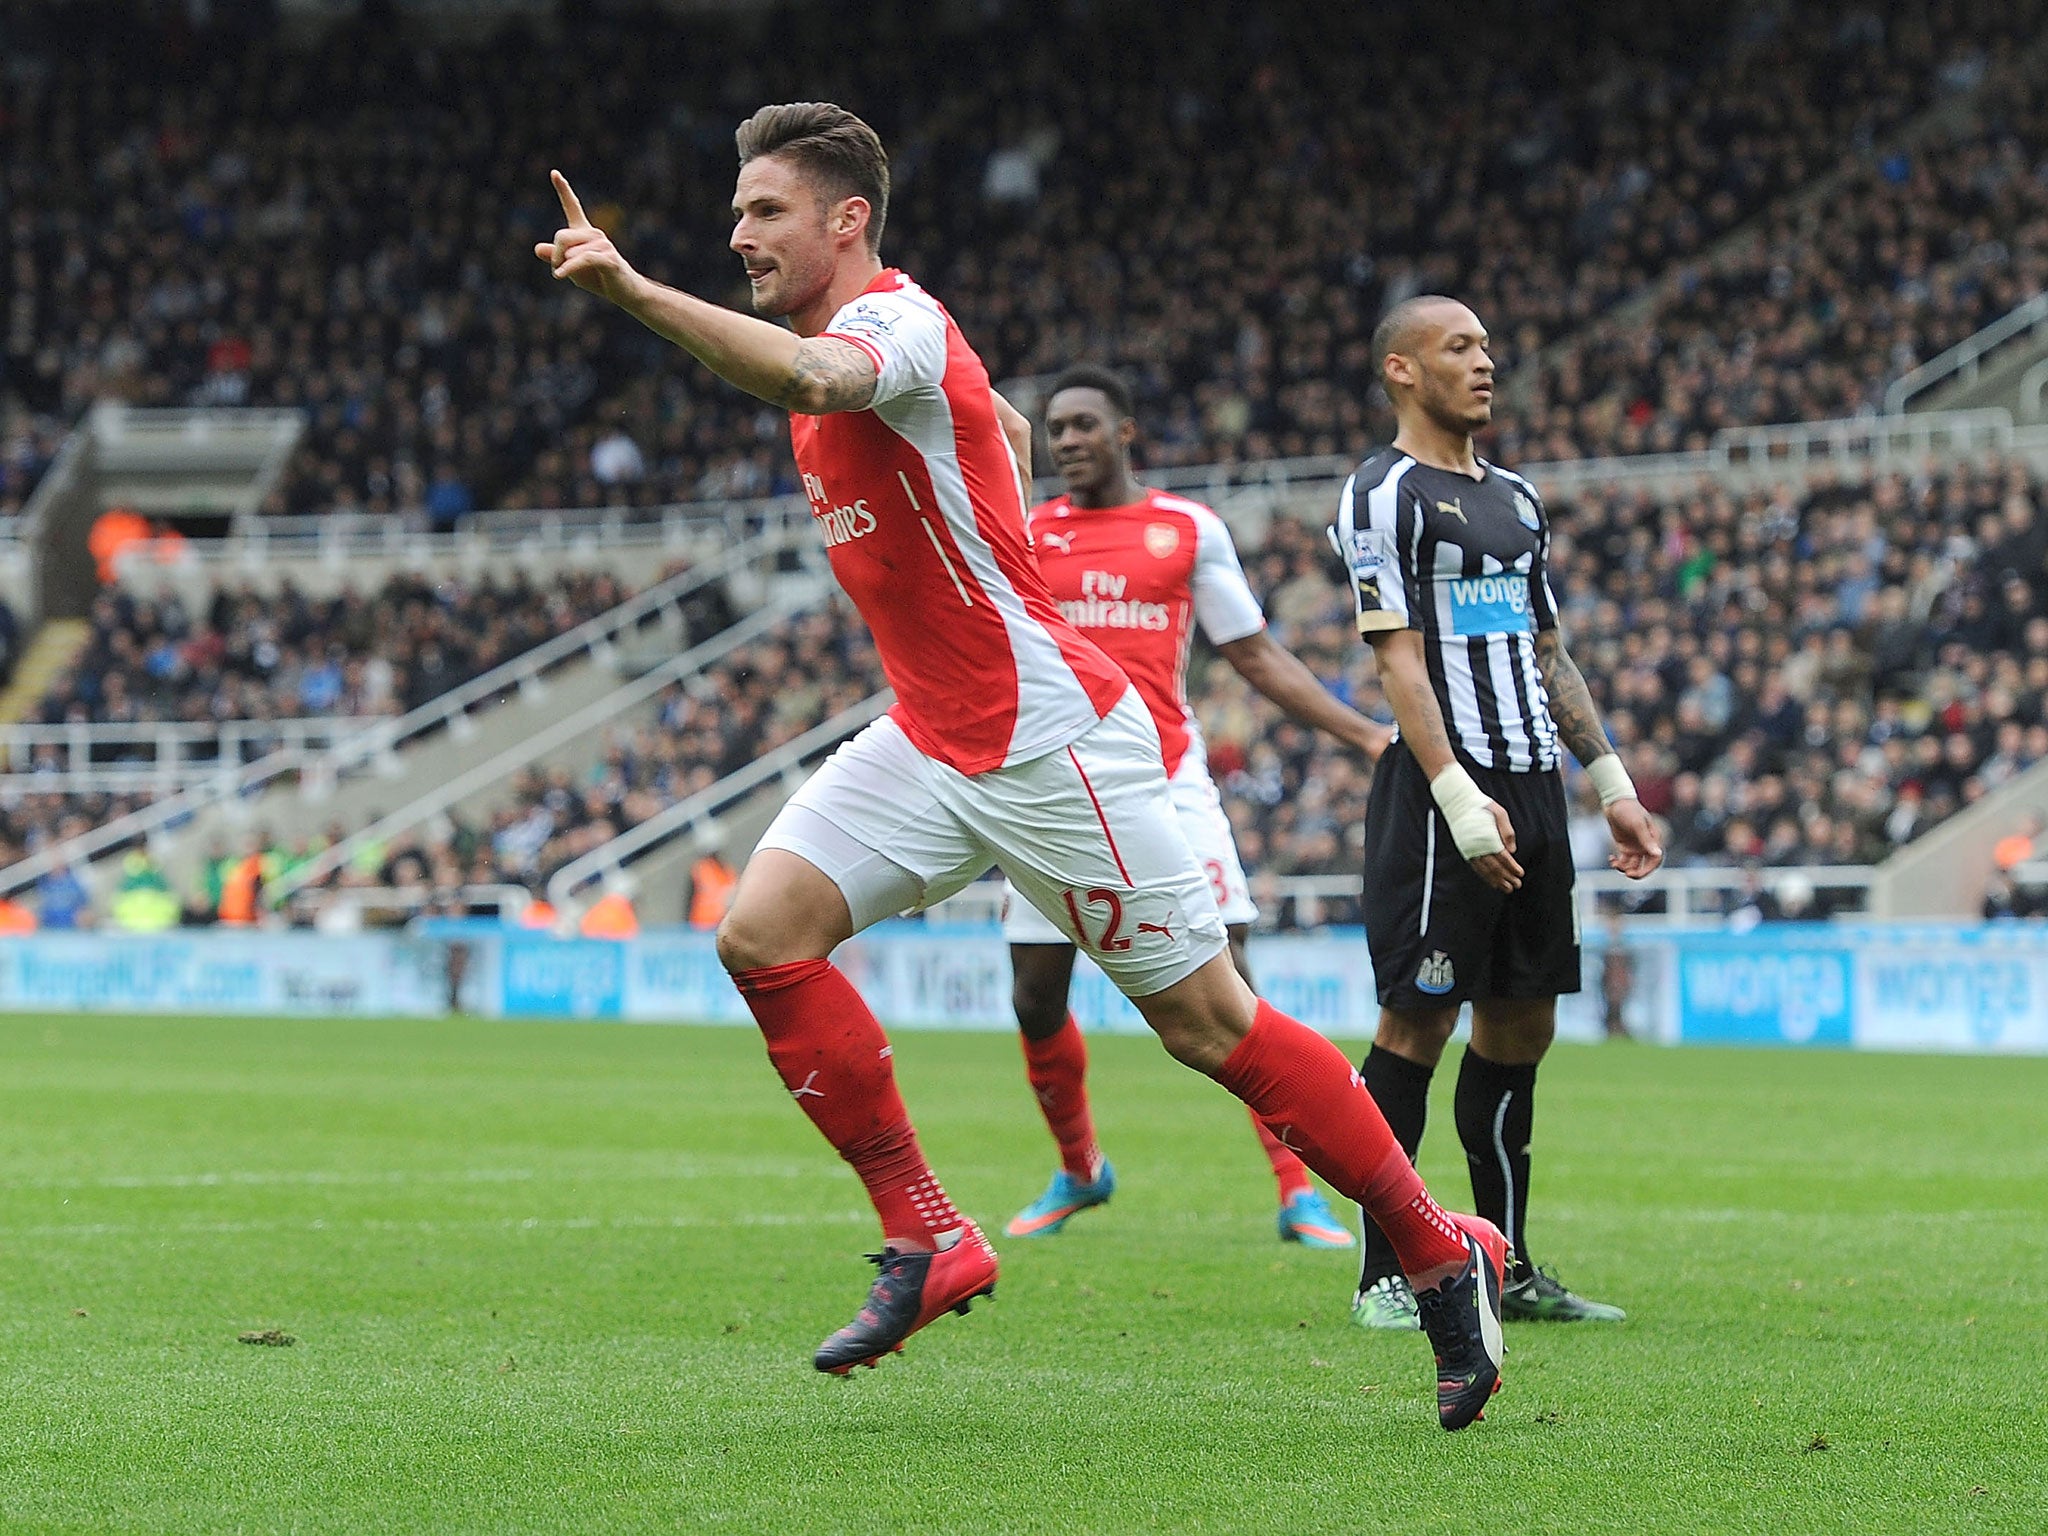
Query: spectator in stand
{"x": 62, "y": 900}
{"x": 2016, "y": 886}
{"x": 712, "y": 882}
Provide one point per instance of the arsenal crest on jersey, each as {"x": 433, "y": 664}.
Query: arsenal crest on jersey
{"x": 1161, "y": 539}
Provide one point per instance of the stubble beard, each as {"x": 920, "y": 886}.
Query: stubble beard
{"x": 1469, "y": 422}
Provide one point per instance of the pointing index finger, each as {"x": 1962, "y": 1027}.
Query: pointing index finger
{"x": 572, "y": 210}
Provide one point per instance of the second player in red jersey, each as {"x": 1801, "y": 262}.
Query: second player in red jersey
{"x": 1136, "y": 571}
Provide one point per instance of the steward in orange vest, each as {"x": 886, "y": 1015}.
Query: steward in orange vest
{"x": 612, "y": 918}
{"x": 711, "y": 886}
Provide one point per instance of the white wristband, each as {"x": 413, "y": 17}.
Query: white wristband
{"x": 1610, "y": 778}
{"x": 1464, "y": 806}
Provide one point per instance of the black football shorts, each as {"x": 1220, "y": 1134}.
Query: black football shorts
{"x": 1440, "y": 934}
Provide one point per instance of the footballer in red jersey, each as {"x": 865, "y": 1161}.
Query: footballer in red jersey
{"x": 1136, "y": 570}
{"x": 1015, "y": 742}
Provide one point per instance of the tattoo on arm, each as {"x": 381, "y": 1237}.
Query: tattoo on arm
{"x": 828, "y": 376}
{"x": 1571, "y": 702}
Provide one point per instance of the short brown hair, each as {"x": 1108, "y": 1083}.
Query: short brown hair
{"x": 832, "y": 145}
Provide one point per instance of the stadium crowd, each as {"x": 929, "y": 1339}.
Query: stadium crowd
{"x": 1814, "y": 314}
{"x": 1795, "y": 678}
{"x": 252, "y": 659}
{"x": 216, "y": 218}
{"x": 260, "y": 656}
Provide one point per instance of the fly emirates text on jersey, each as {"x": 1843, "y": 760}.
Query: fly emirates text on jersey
{"x": 837, "y": 525}
{"x": 1102, "y": 605}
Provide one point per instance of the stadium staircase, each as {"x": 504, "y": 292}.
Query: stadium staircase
{"x": 558, "y": 693}
{"x": 449, "y": 756}
{"x": 1943, "y": 873}
{"x": 211, "y": 463}
{"x": 56, "y": 645}
{"x": 2003, "y": 367}
{"x": 474, "y": 783}
{"x": 653, "y": 859}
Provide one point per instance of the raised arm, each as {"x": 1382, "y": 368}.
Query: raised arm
{"x": 1637, "y": 850}
{"x": 1282, "y": 677}
{"x": 812, "y": 376}
{"x": 1404, "y": 679}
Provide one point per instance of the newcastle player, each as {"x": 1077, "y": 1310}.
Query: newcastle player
{"x": 1469, "y": 895}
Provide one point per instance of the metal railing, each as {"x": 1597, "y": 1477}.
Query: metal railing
{"x": 1853, "y": 442}
{"x": 162, "y": 755}
{"x": 344, "y": 536}
{"x": 580, "y": 724}
{"x": 785, "y": 763}
{"x": 1966, "y": 357}
{"x": 595, "y": 637}
{"x": 1682, "y": 887}
{"x": 1860, "y": 441}
{"x": 156, "y": 438}
{"x": 58, "y": 480}
{"x": 345, "y": 904}
{"x": 2033, "y": 384}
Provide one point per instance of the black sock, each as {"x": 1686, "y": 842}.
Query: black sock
{"x": 1401, "y": 1089}
{"x": 1495, "y": 1109}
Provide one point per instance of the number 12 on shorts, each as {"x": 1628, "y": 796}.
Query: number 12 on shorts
{"x": 1108, "y": 908}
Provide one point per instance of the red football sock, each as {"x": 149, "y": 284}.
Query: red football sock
{"x": 1058, "y": 1069}
{"x": 834, "y": 1059}
{"x": 1290, "y": 1170}
{"x": 1304, "y": 1089}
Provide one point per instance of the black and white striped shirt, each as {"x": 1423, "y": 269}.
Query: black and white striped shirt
{"x": 1465, "y": 562}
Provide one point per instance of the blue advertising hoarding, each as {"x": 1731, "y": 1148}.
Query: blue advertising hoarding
{"x": 1963, "y": 988}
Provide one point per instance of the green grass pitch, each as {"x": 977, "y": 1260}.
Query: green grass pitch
{"x": 568, "y": 1278}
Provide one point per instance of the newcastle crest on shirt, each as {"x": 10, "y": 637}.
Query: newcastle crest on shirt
{"x": 1525, "y": 509}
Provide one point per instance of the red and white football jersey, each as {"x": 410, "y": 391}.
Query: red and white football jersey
{"x": 921, "y": 507}
{"x": 1135, "y": 580}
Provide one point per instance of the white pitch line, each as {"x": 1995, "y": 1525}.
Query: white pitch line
{"x": 429, "y": 1228}
{"x": 679, "y": 1169}
{"x": 296, "y": 1177}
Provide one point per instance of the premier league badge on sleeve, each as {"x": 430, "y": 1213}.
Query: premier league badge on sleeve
{"x": 871, "y": 316}
{"x": 1370, "y": 549}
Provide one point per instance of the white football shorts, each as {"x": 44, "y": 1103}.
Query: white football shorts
{"x": 1207, "y": 828}
{"x": 1089, "y": 835}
